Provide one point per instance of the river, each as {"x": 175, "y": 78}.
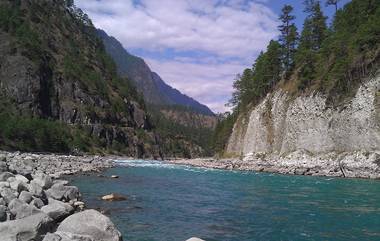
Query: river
{"x": 170, "y": 202}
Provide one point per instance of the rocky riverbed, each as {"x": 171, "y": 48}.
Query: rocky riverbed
{"x": 36, "y": 205}
{"x": 358, "y": 164}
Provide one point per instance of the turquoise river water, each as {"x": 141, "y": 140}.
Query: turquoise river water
{"x": 168, "y": 202}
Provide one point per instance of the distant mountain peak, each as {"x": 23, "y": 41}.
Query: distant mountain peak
{"x": 155, "y": 90}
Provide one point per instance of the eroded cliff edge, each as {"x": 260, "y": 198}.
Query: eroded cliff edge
{"x": 306, "y": 128}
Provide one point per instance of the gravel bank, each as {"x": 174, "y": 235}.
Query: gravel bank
{"x": 358, "y": 164}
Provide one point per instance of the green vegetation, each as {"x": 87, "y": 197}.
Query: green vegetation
{"x": 177, "y": 138}
{"x": 29, "y": 134}
{"x": 62, "y": 43}
{"x": 332, "y": 60}
{"x": 222, "y": 132}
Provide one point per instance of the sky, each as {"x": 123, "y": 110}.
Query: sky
{"x": 196, "y": 46}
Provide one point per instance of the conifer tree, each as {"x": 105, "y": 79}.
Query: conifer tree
{"x": 288, "y": 38}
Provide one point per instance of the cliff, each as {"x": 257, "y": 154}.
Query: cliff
{"x": 59, "y": 90}
{"x": 283, "y": 123}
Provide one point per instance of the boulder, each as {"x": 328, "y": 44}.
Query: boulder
{"x": 89, "y": 224}
{"x": 62, "y": 182}
{"x": 63, "y": 193}
{"x": 20, "y": 209}
{"x": 57, "y": 210}
{"x": 5, "y": 175}
{"x": 4, "y": 184}
{"x": 7, "y": 194}
{"x": 38, "y": 203}
{"x": 114, "y": 197}
{"x": 22, "y": 178}
{"x": 36, "y": 190}
{"x": 30, "y": 228}
{"x": 26, "y": 196}
{"x": 3, "y": 213}
{"x": 43, "y": 180}
{"x": 3, "y": 165}
{"x": 2, "y": 202}
{"x": 79, "y": 205}
{"x": 23, "y": 168}
{"x": 194, "y": 239}
{"x": 53, "y": 237}
{"x": 18, "y": 186}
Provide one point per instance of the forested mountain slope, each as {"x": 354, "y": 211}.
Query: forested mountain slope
{"x": 184, "y": 125}
{"x": 154, "y": 89}
{"x": 59, "y": 90}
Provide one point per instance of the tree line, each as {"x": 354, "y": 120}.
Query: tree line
{"x": 330, "y": 59}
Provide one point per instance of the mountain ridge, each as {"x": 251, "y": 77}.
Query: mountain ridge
{"x": 155, "y": 90}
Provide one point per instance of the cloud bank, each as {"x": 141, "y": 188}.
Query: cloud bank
{"x": 197, "y": 46}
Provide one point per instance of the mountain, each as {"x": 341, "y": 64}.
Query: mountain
{"x": 184, "y": 125}
{"x": 326, "y": 106}
{"x": 154, "y": 89}
{"x": 60, "y": 91}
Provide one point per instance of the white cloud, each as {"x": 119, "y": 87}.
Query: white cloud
{"x": 208, "y": 83}
{"x": 224, "y": 29}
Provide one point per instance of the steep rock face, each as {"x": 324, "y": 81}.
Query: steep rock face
{"x": 60, "y": 72}
{"x": 282, "y": 124}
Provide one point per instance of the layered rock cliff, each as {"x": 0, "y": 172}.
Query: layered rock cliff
{"x": 284, "y": 123}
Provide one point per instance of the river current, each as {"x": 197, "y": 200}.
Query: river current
{"x": 170, "y": 202}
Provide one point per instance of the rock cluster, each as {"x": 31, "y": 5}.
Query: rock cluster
{"x": 34, "y": 205}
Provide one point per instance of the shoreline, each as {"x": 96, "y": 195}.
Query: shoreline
{"x": 38, "y": 203}
{"x": 360, "y": 164}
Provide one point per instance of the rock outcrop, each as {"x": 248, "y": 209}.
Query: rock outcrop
{"x": 305, "y": 135}
{"x": 282, "y": 124}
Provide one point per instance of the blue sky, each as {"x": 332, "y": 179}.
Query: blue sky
{"x": 197, "y": 46}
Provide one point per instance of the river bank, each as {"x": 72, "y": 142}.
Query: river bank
{"x": 358, "y": 164}
{"x": 36, "y": 205}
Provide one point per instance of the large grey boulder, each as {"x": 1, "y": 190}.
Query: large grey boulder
{"x": 57, "y": 210}
{"x": 3, "y": 213}
{"x": 24, "y": 167}
{"x": 54, "y": 237}
{"x": 18, "y": 186}
{"x": 195, "y": 239}
{"x": 26, "y": 196}
{"x": 89, "y": 225}
{"x": 22, "y": 178}
{"x": 7, "y": 194}
{"x": 43, "y": 180}
{"x": 63, "y": 193}
{"x": 20, "y": 209}
{"x": 36, "y": 190}
{"x": 30, "y": 228}
{"x": 38, "y": 203}
{"x": 3, "y": 165}
{"x": 4, "y": 184}
{"x": 5, "y": 175}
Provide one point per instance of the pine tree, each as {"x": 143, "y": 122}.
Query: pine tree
{"x": 313, "y": 34}
{"x": 288, "y": 37}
